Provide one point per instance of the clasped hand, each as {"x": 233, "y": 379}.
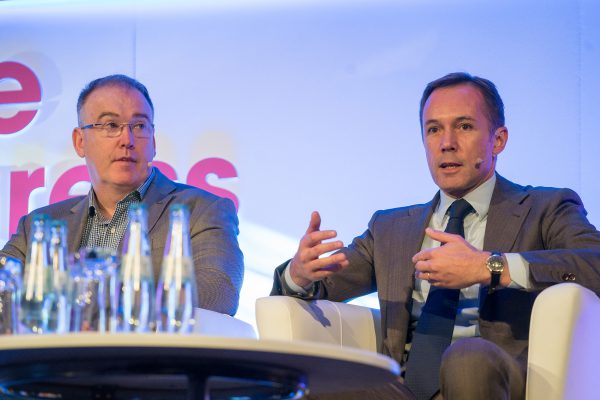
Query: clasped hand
{"x": 455, "y": 264}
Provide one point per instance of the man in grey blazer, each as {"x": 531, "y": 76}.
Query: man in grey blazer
{"x": 115, "y": 135}
{"x": 517, "y": 241}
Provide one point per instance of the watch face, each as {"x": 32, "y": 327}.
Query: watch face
{"x": 495, "y": 263}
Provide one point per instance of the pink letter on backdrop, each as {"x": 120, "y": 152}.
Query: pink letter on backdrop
{"x": 65, "y": 182}
{"x": 166, "y": 169}
{"x": 218, "y": 166}
{"x": 21, "y": 186}
{"x": 30, "y": 92}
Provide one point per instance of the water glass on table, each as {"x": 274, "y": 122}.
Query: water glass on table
{"x": 10, "y": 292}
{"x": 93, "y": 290}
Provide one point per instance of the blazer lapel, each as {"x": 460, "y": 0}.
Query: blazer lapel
{"x": 76, "y": 220}
{"x": 506, "y": 216}
{"x": 157, "y": 198}
{"x": 409, "y": 234}
{"x": 405, "y": 240}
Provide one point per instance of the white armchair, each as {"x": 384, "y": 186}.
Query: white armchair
{"x": 564, "y": 348}
{"x": 564, "y": 344}
{"x": 212, "y": 323}
{"x": 291, "y": 319}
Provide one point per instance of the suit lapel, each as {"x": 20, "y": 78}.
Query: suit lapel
{"x": 76, "y": 220}
{"x": 405, "y": 242}
{"x": 157, "y": 198}
{"x": 506, "y": 215}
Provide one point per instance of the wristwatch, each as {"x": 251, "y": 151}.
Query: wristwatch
{"x": 495, "y": 263}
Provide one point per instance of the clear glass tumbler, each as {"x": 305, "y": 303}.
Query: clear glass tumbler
{"x": 92, "y": 290}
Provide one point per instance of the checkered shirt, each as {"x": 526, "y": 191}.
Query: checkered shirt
{"x": 108, "y": 233}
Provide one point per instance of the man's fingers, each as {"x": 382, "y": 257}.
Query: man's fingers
{"x": 314, "y": 238}
{"x": 441, "y": 236}
{"x": 423, "y": 266}
{"x": 326, "y": 262}
{"x": 423, "y": 275}
{"x": 315, "y": 222}
{"x": 422, "y": 255}
{"x": 322, "y": 274}
{"x": 329, "y": 270}
{"x": 320, "y": 249}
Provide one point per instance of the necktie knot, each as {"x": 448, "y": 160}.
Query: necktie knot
{"x": 458, "y": 211}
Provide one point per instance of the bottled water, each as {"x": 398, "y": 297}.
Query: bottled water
{"x": 176, "y": 293}
{"x": 135, "y": 284}
{"x": 43, "y": 300}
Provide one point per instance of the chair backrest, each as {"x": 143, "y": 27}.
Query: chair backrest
{"x": 290, "y": 319}
{"x": 564, "y": 345}
{"x": 212, "y": 323}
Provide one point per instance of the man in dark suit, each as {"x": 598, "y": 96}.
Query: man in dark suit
{"x": 508, "y": 243}
{"x": 115, "y": 135}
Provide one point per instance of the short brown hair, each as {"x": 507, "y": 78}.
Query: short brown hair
{"x": 493, "y": 101}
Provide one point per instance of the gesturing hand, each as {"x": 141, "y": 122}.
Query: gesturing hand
{"x": 306, "y": 266}
{"x": 455, "y": 264}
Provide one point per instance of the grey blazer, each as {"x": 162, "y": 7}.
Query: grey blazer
{"x": 547, "y": 226}
{"x": 218, "y": 260}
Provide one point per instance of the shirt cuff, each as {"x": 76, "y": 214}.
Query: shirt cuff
{"x": 519, "y": 271}
{"x": 287, "y": 277}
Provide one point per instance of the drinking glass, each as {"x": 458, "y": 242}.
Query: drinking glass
{"x": 10, "y": 292}
{"x": 93, "y": 290}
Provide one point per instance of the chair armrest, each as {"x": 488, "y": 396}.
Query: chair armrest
{"x": 346, "y": 325}
{"x": 212, "y": 323}
{"x": 564, "y": 345}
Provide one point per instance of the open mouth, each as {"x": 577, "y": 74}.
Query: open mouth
{"x": 450, "y": 165}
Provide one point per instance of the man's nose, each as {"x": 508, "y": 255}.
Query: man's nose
{"x": 127, "y": 137}
{"x": 448, "y": 142}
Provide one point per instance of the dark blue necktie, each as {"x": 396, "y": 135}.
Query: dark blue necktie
{"x": 433, "y": 333}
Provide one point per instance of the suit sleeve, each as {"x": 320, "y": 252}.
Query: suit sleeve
{"x": 17, "y": 245}
{"x": 218, "y": 260}
{"x": 356, "y": 280}
{"x": 571, "y": 245}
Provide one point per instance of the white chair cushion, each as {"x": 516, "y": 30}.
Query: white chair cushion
{"x": 290, "y": 319}
{"x": 212, "y": 323}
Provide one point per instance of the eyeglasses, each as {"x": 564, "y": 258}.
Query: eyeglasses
{"x": 114, "y": 129}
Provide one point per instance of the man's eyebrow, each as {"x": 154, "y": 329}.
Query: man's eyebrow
{"x": 464, "y": 118}
{"x": 460, "y": 118}
{"x": 107, "y": 114}
{"x": 115, "y": 115}
{"x": 141, "y": 115}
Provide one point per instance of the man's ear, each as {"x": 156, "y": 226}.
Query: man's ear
{"x": 500, "y": 139}
{"x": 77, "y": 137}
{"x": 154, "y": 144}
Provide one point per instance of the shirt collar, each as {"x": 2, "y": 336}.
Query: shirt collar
{"x": 141, "y": 191}
{"x": 479, "y": 198}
